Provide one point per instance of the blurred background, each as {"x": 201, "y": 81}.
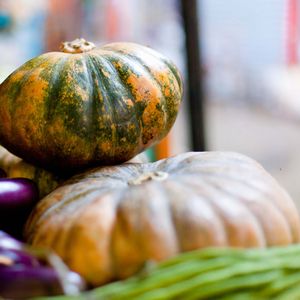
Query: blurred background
{"x": 239, "y": 61}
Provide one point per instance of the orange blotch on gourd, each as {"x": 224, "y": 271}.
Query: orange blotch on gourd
{"x": 69, "y": 144}
{"x": 17, "y": 76}
{"x": 167, "y": 92}
{"x": 153, "y": 119}
{"x": 81, "y": 93}
{"x": 105, "y": 147}
{"x": 143, "y": 88}
{"x": 31, "y": 110}
{"x": 106, "y": 74}
{"x": 168, "y": 82}
{"x": 33, "y": 92}
{"x": 129, "y": 102}
{"x": 118, "y": 65}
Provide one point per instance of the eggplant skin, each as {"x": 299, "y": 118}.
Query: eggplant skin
{"x": 65, "y": 111}
{"x": 16, "y": 283}
{"x": 17, "y": 258}
{"x": 18, "y": 196}
{"x": 22, "y": 274}
{"x": 27, "y": 272}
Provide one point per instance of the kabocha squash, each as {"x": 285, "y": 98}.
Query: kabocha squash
{"x": 106, "y": 223}
{"x": 88, "y": 106}
{"x": 46, "y": 181}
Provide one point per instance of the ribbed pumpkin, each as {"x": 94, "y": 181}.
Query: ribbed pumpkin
{"x": 108, "y": 222}
{"x": 46, "y": 181}
{"x": 88, "y": 106}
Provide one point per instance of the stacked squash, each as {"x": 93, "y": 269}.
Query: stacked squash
{"x": 85, "y": 108}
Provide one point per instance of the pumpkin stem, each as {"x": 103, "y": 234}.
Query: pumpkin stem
{"x": 157, "y": 175}
{"x": 77, "y": 46}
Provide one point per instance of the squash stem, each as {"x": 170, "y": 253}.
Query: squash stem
{"x": 77, "y": 46}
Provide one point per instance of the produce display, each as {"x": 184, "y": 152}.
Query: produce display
{"x": 28, "y": 272}
{"x": 72, "y": 125}
{"x": 88, "y": 106}
{"x": 128, "y": 214}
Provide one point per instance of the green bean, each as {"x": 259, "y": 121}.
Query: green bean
{"x": 203, "y": 254}
{"x": 201, "y": 280}
{"x": 182, "y": 288}
{"x": 240, "y": 295}
{"x": 290, "y": 294}
{"x": 113, "y": 289}
{"x": 214, "y": 289}
{"x": 236, "y": 253}
{"x": 281, "y": 284}
{"x": 233, "y": 284}
{"x": 176, "y": 274}
{"x": 258, "y": 253}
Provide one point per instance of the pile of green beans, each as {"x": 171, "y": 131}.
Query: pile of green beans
{"x": 211, "y": 273}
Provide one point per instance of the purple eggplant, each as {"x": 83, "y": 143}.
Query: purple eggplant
{"x": 17, "y": 258}
{"x": 24, "y": 282}
{"x": 17, "y": 198}
{"x": 17, "y": 192}
{"x": 27, "y": 272}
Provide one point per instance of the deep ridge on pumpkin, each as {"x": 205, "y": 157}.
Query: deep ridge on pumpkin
{"x": 207, "y": 199}
{"x": 68, "y": 111}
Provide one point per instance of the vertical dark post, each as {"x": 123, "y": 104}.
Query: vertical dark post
{"x": 195, "y": 97}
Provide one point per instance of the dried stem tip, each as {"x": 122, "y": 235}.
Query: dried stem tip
{"x": 77, "y": 46}
{"x": 157, "y": 176}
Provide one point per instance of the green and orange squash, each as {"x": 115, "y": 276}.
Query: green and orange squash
{"x": 108, "y": 222}
{"x": 87, "y": 106}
